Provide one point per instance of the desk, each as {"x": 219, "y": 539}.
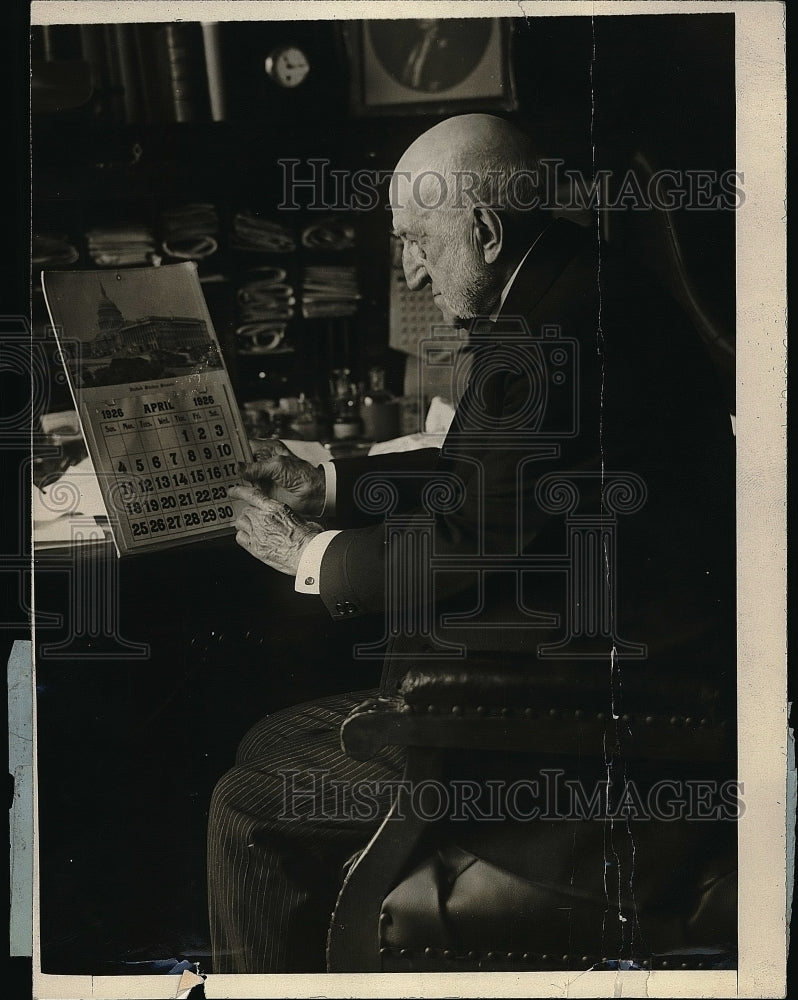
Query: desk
{"x": 134, "y": 729}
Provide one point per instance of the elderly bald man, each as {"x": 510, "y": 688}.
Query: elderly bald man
{"x": 575, "y": 367}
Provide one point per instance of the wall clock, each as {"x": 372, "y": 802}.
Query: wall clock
{"x": 287, "y": 65}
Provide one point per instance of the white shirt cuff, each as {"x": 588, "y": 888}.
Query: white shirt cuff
{"x": 330, "y": 486}
{"x": 307, "y": 574}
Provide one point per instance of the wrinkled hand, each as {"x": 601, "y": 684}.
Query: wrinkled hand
{"x": 271, "y": 531}
{"x": 280, "y": 475}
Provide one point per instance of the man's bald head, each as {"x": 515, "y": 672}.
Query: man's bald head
{"x": 471, "y": 159}
{"x": 464, "y": 200}
{"x": 467, "y": 142}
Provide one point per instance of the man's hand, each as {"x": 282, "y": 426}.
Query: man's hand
{"x": 280, "y": 475}
{"x": 271, "y": 531}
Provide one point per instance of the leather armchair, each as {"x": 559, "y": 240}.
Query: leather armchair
{"x": 420, "y": 897}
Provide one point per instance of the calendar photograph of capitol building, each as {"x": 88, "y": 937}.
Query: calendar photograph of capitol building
{"x": 127, "y": 346}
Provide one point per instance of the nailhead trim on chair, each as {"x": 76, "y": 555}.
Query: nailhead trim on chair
{"x": 543, "y": 960}
{"x": 563, "y": 714}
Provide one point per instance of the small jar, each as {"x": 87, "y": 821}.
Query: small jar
{"x": 345, "y": 406}
{"x": 380, "y": 410}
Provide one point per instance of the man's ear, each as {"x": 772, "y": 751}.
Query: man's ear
{"x": 489, "y": 232}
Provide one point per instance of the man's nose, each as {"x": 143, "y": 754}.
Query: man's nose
{"x": 415, "y": 273}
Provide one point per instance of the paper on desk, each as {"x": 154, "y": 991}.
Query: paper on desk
{"x": 436, "y": 425}
{"x": 311, "y": 451}
{"x": 439, "y": 416}
{"x": 70, "y": 529}
{"x": 76, "y": 492}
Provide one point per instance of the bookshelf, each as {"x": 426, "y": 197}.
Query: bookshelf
{"x": 181, "y": 117}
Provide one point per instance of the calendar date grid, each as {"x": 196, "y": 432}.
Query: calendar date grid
{"x": 172, "y": 467}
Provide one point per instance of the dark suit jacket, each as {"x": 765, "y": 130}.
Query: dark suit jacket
{"x": 609, "y": 378}
{"x": 609, "y": 383}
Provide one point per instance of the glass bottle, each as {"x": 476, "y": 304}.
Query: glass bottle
{"x": 380, "y": 410}
{"x": 345, "y": 405}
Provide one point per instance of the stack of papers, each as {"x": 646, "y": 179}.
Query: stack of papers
{"x": 334, "y": 233}
{"x": 329, "y": 291}
{"x": 120, "y": 246}
{"x": 251, "y": 232}
{"x": 53, "y": 250}
{"x": 190, "y": 232}
{"x": 265, "y": 305}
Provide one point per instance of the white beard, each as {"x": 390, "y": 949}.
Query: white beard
{"x": 474, "y": 291}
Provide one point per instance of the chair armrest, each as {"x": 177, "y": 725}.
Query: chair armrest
{"x": 510, "y": 681}
{"x": 501, "y": 708}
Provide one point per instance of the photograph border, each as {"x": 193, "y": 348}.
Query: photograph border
{"x": 761, "y": 512}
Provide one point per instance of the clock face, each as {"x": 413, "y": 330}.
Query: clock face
{"x": 288, "y": 66}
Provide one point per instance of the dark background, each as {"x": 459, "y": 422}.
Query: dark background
{"x": 663, "y": 84}
{"x": 128, "y": 751}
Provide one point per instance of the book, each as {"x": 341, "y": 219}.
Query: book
{"x": 213, "y": 69}
{"x": 127, "y": 58}
{"x": 149, "y": 98}
{"x": 114, "y": 86}
{"x": 92, "y": 49}
{"x": 180, "y": 60}
{"x": 55, "y": 42}
{"x": 154, "y": 400}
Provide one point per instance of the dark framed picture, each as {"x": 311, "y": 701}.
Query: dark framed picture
{"x": 430, "y": 65}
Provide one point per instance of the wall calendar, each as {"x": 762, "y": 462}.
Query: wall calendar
{"x": 154, "y": 400}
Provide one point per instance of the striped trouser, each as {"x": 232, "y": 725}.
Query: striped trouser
{"x": 281, "y": 826}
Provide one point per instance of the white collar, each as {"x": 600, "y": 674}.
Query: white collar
{"x": 506, "y": 290}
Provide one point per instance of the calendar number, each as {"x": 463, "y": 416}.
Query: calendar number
{"x": 174, "y": 463}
